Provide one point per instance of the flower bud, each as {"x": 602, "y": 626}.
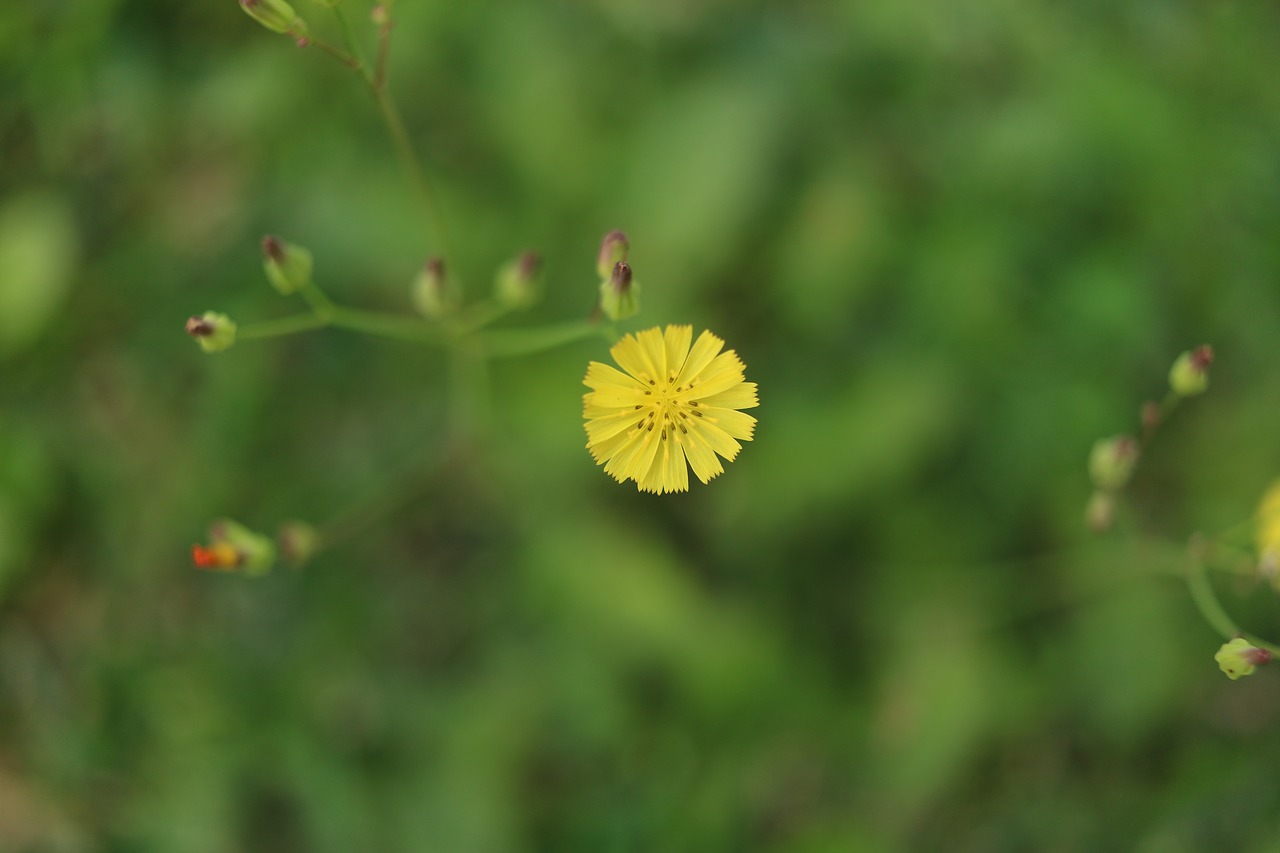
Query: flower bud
{"x": 298, "y": 542}
{"x": 1111, "y": 462}
{"x": 613, "y": 250}
{"x": 233, "y": 547}
{"x": 288, "y": 266}
{"x": 1189, "y": 375}
{"x": 620, "y": 295}
{"x": 1100, "y": 512}
{"x": 213, "y": 331}
{"x": 276, "y": 15}
{"x": 381, "y": 16}
{"x": 433, "y": 294}
{"x": 517, "y": 282}
{"x": 1240, "y": 657}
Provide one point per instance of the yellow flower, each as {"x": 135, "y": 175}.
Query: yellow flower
{"x": 1268, "y": 534}
{"x": 673, "y": 403}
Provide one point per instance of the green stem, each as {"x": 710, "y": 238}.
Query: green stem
{"x": 427, "y": 196}
{"x": 386, "y": 325}
{"x": 284, "y": 326}
{"x": 1211, "y": 609}
{"x": 349, "y": 37}
{"x": 480, "y": 315}
{"x": 517, "y": 342}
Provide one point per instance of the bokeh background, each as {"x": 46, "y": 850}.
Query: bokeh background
{"x": 954, "y": 244}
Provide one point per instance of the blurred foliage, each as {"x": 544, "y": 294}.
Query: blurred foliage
{"x": 954, "y": 244}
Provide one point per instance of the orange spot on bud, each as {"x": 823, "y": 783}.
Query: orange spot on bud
{"x": 217, "y": 557}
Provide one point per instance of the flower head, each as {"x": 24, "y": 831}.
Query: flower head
{"x": 673, "y": 403}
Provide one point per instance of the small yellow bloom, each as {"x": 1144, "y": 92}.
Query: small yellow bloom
{"x": 1268, "y": 534}
{"x": 673, "y": 403}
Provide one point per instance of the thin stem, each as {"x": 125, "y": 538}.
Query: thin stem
{"x": 384, "y": 51}
{"x": 284, "y": 326}
{"x": 1206, "y": 601}
{"x": 352, "y": 45}
{"x": 321, "y": 304}
{"x": 506, "y": 344}
{"x": 337, "y": 53}
{"x": 480, "y": 315}
{"x": 422, "y": 185}
{"x": 386, "y": 325}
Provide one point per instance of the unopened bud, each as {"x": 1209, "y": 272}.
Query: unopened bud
{"x": 235, "y": 548}
{"x": 288, "y": 267}
{"x": 1190, "y": 372}
{"x": 1240, "y": 657}
{"x": 1111, "y": 462}
{"x": 620, "y": 294}
{"x": 613, "y": 250}
{"x": 1100, "y": 512}
{"x": 298, "y": 541}
{"x": 214, "y": 332}
{"x": 276, "y": 15}
{"x": 381, "y": 16}
{"x": 517, "y": 282}
{"x": 433, "y": 294}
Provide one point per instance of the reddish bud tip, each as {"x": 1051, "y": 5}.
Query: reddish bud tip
{"x": 621, "y": 279}
{"x": 198, "y": 327}
{"x": 434, "y": 267}
{"x": 528, "y": 264}
{"x": 273, "y": 248}
{"x": 1256, "y": 656}
{"x": 1202, "y": 357}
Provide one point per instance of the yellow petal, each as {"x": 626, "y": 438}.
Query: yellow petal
{"x": 704, "y": 350}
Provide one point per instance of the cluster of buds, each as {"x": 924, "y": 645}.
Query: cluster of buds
{"x": 1112, "y": 460}
{"x": 619, "y": 291}
{"x": 235, "y": 548}
{"x": 1111, "y": 464}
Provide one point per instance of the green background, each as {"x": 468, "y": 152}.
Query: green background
{"x": 953, "y": 243}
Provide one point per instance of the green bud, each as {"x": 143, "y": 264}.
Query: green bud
{"x": 1189, "y": 375}
{"x": 613, "y": 250}
{"x": 1111, "y": 462}
{"x": 517, "y": 282}
{"x": 276, "y": 15}
{"x": 213, "y": 331}
{"x": 1240, "y": 657}
{"x": 288, "y": 267}
{"x": 298, "y": 542}
{"x": 433, "y": 294}
{"x": 620, "y": 294}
